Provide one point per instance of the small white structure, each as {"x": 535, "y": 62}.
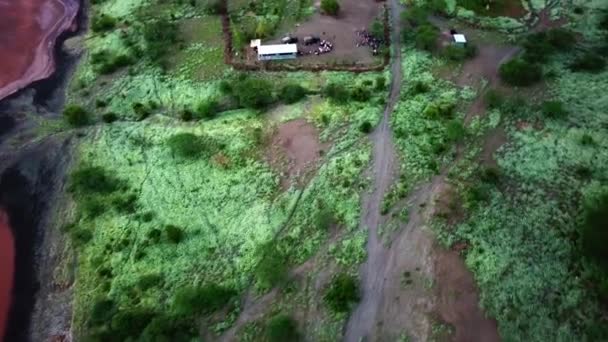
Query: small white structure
{"x": 255, "y": 43}
{"x": 276, "y": 52}
{"x": 459, "y": 39}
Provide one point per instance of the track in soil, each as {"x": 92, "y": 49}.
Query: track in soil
{"x": 361, "y": 322}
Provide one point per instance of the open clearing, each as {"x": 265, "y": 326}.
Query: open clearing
{"x": 341, "y": 30}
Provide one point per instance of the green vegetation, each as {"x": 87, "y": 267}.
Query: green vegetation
{"x": 282, "y": 328}
{"x": 291, "y": 93}
{"x": 544, "y": 198}
{"x": 76, "y": 115}
{"x": 519, "y": 72}
{"x": 342, "y": 294}
{"x": 330, "y": 7}
{"x": 194, "y": 300}
{"x": 189, "y": 145}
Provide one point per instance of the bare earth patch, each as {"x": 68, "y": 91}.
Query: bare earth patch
{"x": 457, "y": 300}
{"x": 340, "y": 31}
{"x": 295, "y": 150}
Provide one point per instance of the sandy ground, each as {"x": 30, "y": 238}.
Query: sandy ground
{"x": 340, "y": 31}
{"x": 29, "y": 30}
{"x": 295, "y": 150}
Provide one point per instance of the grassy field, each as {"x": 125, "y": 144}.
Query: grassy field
{"x": 525, "y": 223}
{"x": 183, "y": 219}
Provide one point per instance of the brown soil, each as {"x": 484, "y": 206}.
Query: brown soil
{"x": 457, "y": 300}
{"x": 29, "y": 31}
{"x": 485, "y": 65}
{"x": 295, "y": 150}
{"x": 340, "y": 31}
{"x": 494, "y": 139}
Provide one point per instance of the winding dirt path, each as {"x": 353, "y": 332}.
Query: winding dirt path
{"x": 361, "y": 322}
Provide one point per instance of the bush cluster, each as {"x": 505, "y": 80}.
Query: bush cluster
{"x": 292, "y": 93}
{"x": 103, "y": 23}
{"x": 343, "y": 292}
{"x": 330, "y": 7}
{"x": 282, "y": 328}
{"x": 540, "y": 46}
{"x": 519, "y": 72}
{"x": 76, "y": 115}
{"x": 188, "y": 145}
{"x": 191, "y": 301}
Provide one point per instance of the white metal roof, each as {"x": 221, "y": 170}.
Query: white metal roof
{"x": 275, "y": 49}
{"x": 460, "y": 38}
{"x": 255, "y": 43}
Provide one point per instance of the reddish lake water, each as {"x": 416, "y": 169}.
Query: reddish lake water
{"x": 28, "y": 31}
{"x": 7, "y": 263}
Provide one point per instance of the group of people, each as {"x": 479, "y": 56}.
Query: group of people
{"x": 323, "y": 48}
{"x": 368, "y": 39}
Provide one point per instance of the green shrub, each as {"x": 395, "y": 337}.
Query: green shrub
{"x": 587, "y": 140}
{"x": 439, "y": 109}
{"x": 594, "y": 230}
{"x": 207, "y": 109}
{"x": 377, "y": 29}
{"x": 361, "y": 94}
{"x": 541, "y": 45}
{"x": 380, "y": 83}
{"x": 490, "y": 175}
{"x": 282, "y": 328}
{"x": 130, "y": 323}
{"x": 189, "y": 301}
{"x": 76, "y": 115}
{"x": 460, "y": 53}
{"x": 342, "y": 294}
{"x": 416, "y": 15}
{"x": 186, "y": 114}
{"x": 213, "y": 7}
{"x": 253, "y": 93}
{"x": 140, "y": 110}
{"x": 188, "y": 145}
{"x": 519, "y": 72}
{"x": 494, "y": 99}
{"x": 102, "y": 311}
{"x": 589, "y": 61}
{"x": 271, "y": 270}
{"x": 553, "y": 109}
{"x": 169, "y": 328}
{"x": 89, "y": 180}
{"x": 336, "y": 92}
{"x": 366, "y": 127}
{"x": 425, "y": 37}
{"x": 102, "y": 23}
{"x": 292, "y": 93}
{"x": 148, "y": 281}
{"x": 330, "y": 7}
{"x": 107, "y": 63}
{"x": 174, "y": 234}
{"x": 109, "y": 117}
{"x": 419, "y": 87}
{"x": 160, "y": 36}
{"x": 455, "y": 130}
{"x": 80, "y": 236}
{"x": 603, "y": 23}
{"x": 225, "y": 87}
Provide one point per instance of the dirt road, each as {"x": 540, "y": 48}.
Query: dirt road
{"x": 361, "y": 322}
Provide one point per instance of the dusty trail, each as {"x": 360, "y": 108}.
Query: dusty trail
{"x": 361, "y": 322}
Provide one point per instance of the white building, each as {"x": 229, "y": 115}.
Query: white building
{"x": 279, "y": 51}
{"x": 460, "y": 39}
